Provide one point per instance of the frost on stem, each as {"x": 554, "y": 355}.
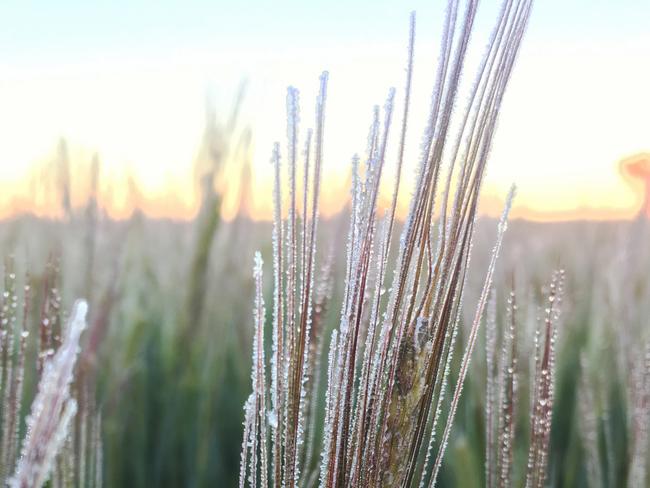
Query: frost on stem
{"x": 544, "y": 380}
{"x": 53, "y": 408}
{"x": 254, "y": 443}
{"x": 391, "y": 353}
{"x": 501, "y": 399}
{"x": 503, "y": 225}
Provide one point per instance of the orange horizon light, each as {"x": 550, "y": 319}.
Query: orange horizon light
{"x": 636, "y": 169}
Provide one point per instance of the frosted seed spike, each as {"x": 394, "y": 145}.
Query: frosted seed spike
{"x": 52, "y": 408}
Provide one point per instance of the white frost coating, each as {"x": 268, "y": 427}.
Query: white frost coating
{"x": 256, "y": 408}
{"x": 330, "y": 395}
{"x": 503, "y": 225}
{"x": 256, "y": 423}
{"x": 248, "y": 421}
{"x": 490, "y": 352}
{"x": 52, "y": 409}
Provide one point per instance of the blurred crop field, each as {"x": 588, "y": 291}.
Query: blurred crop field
{"x": 173, "y": 375}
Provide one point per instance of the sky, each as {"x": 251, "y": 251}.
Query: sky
{"x": 129, "y": 81}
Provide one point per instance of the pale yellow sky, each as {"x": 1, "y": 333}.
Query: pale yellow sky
{"x": 575, "y": 107}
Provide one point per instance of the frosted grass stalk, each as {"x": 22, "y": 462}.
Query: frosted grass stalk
{"x": 52, "y": 408}
{"x": 503, "y": 225}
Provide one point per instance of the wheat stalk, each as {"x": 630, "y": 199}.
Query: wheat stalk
{"x": 391, "y": 355}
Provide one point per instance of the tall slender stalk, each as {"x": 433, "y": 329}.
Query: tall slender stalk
{"x": 391, "y": 355}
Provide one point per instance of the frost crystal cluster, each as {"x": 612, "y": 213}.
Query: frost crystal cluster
{"x": 388, "y": 404}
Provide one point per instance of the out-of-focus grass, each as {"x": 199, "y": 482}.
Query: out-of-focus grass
{"x": 173, "y": 413}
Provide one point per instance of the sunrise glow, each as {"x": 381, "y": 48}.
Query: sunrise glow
{"x": 139, "y": 104}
